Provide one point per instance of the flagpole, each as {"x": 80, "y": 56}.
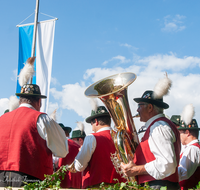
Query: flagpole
{"x": 35, "y": 31}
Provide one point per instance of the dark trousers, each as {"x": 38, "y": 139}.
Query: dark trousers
{"x": 157, "y": 184}
{"x": 15, "y": 179}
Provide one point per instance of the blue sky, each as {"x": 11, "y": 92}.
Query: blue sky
{"x": 95, "y": 39}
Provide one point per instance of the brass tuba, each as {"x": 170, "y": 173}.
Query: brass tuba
{"x": 112, "y": 91}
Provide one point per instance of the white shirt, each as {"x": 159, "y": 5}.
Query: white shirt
{"x": 52, "y": 133}
{"x": 189, "y": 161}
{"x": 88, "y": 148}
{"x": 161, "y": 139}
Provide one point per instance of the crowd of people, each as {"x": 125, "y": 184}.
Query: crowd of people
{"x": 33, "y": 144}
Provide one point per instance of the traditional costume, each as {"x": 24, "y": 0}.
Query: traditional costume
{"x": 94, "y": 157}
{"x": 27, "y": 142}
{"x": 160, "y": 146}
{"x": 189, "y": 166}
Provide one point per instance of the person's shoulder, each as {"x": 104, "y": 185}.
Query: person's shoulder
{"x": 72, "y": 143}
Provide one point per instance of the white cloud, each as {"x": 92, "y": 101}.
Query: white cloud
{"x": 148, "y": 70}
{"x": 4, "y": 104}
{"x": 129, "y": 46}
{"x": 54, "y": 81}
{"x": 121, "y": 59}
{"x": 173, "y": 24}
{"x": 14, "y": 77}
{"x": 126, "y": 45}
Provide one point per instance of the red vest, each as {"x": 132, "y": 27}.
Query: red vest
{"x": 100, "y": 168}
{"x": 194, "y": 179}
{"x": 71, "y": 180}
{"x": 21, "y": 147}
{"x": 144, "y": 155}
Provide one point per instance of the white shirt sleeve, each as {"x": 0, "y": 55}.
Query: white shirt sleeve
{"x": 161, "y": 139}
{"x": 54, "y": 135}
{"x": 189, "y": 162}
{"x": 84, "y": 156}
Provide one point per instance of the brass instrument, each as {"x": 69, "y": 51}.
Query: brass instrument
{"x": 112, "y": 91}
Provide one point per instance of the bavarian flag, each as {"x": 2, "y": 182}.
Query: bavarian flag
{"x": 44, "y": 55}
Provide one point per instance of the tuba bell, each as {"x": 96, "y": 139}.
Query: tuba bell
{"x": 112, "y": 91}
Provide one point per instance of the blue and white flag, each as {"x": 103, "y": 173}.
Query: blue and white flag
{"x": 44, "y": 55}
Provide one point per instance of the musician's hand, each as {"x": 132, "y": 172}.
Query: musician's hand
{"x": 131, "y": 169}
{"x": 31, "y": 60}
{"x": 128, "y": 169}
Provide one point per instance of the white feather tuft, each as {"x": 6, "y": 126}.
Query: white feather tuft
{"x": 162, "y": 87}
{"x": 53, "y": 115}
{"x": 187, "y": 114}
{"x": 80, "y": 126}
{"x": 26, "y": 74}
{"x": 94, "y": 104}
{"x": 13, "y": 103}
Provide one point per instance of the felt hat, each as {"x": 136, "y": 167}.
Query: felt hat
{"x": 149, "y": 98}
{"x": 79, "y": 132}
{"x": 101, "y": 111}
{"x": 6, "y": 111}
{"x": 30, "y": 90}
{"x": 65, "y": 128}
{"x": 187, "y": 122}
{"x": 176, "y": 119}
{"x": 192, "y": 125}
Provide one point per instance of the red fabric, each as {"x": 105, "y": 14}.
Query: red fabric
{"x": 144, "y": 155}
{"x": 21, "y": 147}
{"x": 100, "y": 168}
{"x": 194, "y": 179}
{"x": 71, "y": 180}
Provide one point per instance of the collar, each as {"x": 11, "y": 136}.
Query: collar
{"x": 27, "y": 106}
{"x": 153, "y": 118}
{"x": 104, "y": 129}
{"x": 192, "y": 142}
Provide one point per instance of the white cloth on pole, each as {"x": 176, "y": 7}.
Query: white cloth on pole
{"x": 44, "y": 56}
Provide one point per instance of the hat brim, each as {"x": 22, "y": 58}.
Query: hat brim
{"x": 154, "y": 102}
{"x": 88, "y": 120}
{"x": 34, "y": 95}
{"x": 187, "y": 128}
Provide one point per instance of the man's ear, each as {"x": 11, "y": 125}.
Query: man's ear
{"x": 96, "y": 122}
{"x": 150, "y": 107}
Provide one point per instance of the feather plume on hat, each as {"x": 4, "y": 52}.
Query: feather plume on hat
{"x": 27, "y": 72}
{"x": 13, "y": 103}
{"x": 94, "y": 104}
{"x": 187, "y": 114}
{"x": 80, "y": 126}
{"x": 162, "y": 87}
{"x": 53, "y": 115}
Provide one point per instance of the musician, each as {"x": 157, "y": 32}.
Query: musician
{"x": 94, "y": 157}
{"x": 189, "y": 167}
{"x": 78, "y": 134}
{"x": 67, "y": 131}
{"x": 156, "y": 158}
{"x": 28, "y": 139}
{"x": 71, "y": 180}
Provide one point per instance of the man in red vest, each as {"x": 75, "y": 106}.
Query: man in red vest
{"x": 156, "y": 158}
{"x": 94, "y": 157}
{"x": 189, "y": 167}
{"x": 28, "y": 139}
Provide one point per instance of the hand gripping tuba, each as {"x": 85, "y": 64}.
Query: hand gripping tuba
{"x": 112, "y": 91}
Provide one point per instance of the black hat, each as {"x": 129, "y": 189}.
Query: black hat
{"x": 149, "y": 98}
{"x": 191, "y": 126}
{"x": 30, "y": 90}
{"x": 176, "y": 119}
{"x": 101, "y": 111}
{"x": 65, "y": 128}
